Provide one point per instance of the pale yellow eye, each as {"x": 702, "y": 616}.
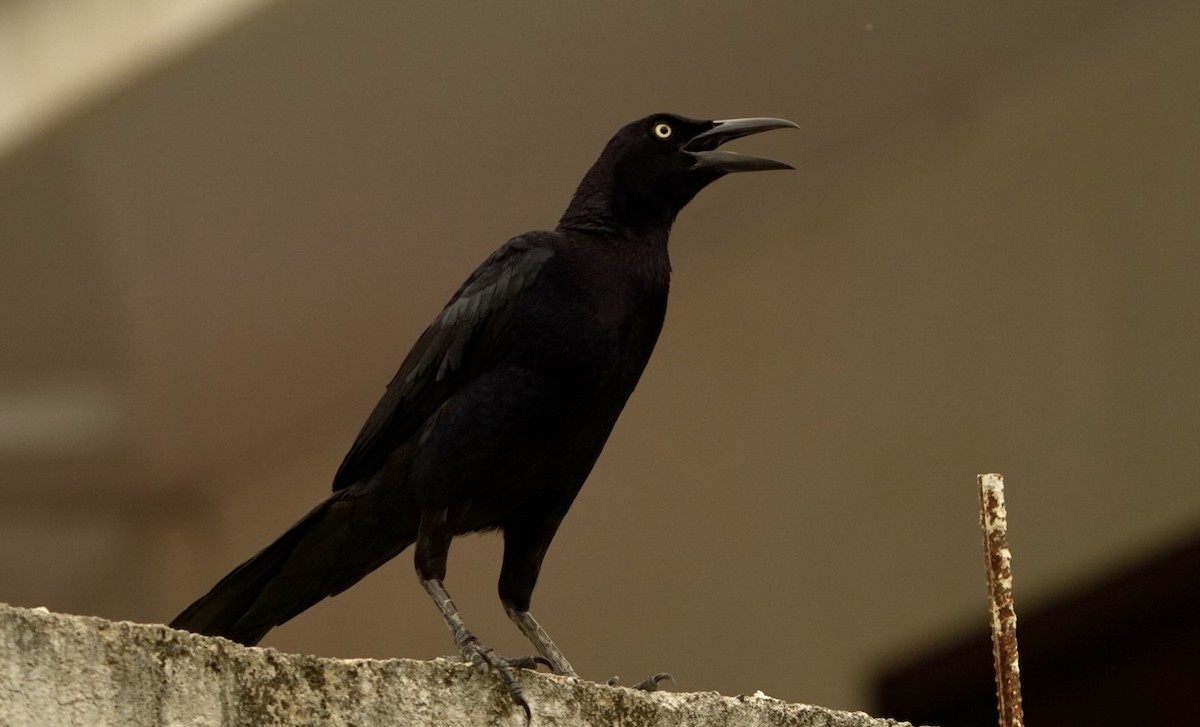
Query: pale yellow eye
{"x": 662, "y": 131}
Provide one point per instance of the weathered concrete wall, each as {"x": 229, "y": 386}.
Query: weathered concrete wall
{"x": 74, "y": 670}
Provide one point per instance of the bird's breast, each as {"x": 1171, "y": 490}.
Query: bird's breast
{"x": 603, "y": 332}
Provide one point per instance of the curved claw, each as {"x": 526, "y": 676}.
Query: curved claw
{"x": 480, "y": 655}
{"x": 650, "y": 684}
{"x": 530, "y": 662}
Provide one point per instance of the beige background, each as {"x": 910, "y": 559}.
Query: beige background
{"x": 986, "y": 261}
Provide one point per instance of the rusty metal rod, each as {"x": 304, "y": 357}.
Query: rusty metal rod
{"x": 993, "y": 519}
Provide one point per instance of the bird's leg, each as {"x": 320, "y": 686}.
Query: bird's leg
{"x": 433, "y": 544}
{"x": 556, "y": 661}
{"x": 545, "y": 646}
{"x": 541, "y": 640}
{"x": 471, "y": 649}
{"x": 525, "y": 546}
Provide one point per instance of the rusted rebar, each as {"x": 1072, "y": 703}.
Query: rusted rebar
{"x": 994, "y": 520}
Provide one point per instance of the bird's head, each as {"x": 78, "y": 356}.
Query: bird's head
{"x": 654, "y": 166}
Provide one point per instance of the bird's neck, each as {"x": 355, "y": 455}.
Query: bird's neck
{"x": 617, "y": 229}
{"x": 636, "y": 245}
{"x": 601, "y": 207}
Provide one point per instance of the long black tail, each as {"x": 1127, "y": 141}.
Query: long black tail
{"x": 329, "y": 550}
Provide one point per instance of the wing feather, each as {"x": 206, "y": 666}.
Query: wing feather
{"x": 466, "y": 338}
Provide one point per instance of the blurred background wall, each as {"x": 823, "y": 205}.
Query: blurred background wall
{"x": 220, "y": 232}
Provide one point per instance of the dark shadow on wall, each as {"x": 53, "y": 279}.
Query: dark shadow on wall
{"x": 1123, "y": 651}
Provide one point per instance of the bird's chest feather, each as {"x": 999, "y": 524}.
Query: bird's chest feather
{"x": 600, "y": 324}
{"x": 580, "y": 345}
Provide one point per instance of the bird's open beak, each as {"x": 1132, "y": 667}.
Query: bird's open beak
{"x": 703, "y": 146}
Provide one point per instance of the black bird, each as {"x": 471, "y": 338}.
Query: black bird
{"x": 504, "y": 403}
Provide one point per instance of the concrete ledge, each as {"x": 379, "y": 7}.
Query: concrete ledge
{"x": 75, "y": 670}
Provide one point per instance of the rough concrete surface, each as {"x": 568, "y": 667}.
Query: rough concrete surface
{"x": 64, "y": 670}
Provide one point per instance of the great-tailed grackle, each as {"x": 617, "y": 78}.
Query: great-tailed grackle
{"x": 501, "y": 408}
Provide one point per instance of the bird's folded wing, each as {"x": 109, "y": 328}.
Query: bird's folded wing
{"x": 467, "y": 338}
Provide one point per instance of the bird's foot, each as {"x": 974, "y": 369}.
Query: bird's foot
{"x": 486, "y": 659}
{"x": 649, "y": 684}
{"x": 529, "y": 662}
{"x": 517, "y": 662}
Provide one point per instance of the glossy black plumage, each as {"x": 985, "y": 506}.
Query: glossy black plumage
{"x": 504, "y": 403}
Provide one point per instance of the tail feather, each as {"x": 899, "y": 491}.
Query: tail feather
{"x": 327, "y": 551}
